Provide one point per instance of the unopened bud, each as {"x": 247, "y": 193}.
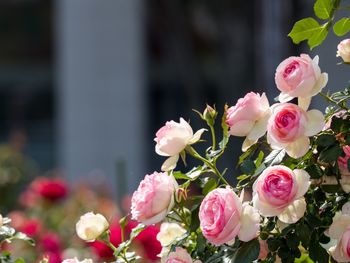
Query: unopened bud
{"x": 210, "y": 114}
{"x": 181, "y": 195}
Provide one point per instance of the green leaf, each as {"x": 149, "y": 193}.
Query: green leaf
{"x": 316, "y": 252}
{"x": 323, "y": 8}
{"x": 342, "y": 27}
{"x": 275, "y": 157}
{"x": 247, "y": 253}
{"x": 325, "y": 140}
{"x": 248, "y": 166}
{"x": 309, "y": 29}
{"x": 210, "y": 185}
{"x": 314, "y": 171}
{"x": 331, "y": 153}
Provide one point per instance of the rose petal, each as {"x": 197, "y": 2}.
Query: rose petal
{"x": 303, "y": 181}
{"x": 241, "y": 128}
{"x": 338, "y": 254}
{"x": 265, "y": 209}
{"x": 197, "y": 136}
{"x": 315, "y": 122}
{"x": 247, "y": 143}
{"x": 250, "y": 226}
{"x": 304, "y": 103}
{"x": 259, "y": 128}
{"x": 293, "y": 212}
{"x": 320, "y": 84}
{"x": 298, "y": 148}
{"x": 170, "y": 163}
{"x": 339, "y": 225}
{"x": 284, "y": 97}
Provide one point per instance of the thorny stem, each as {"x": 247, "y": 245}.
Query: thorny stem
{"x": 333, "y": 101}
{"x": 195, "y": 154}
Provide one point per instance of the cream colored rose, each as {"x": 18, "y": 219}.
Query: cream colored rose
{"x": 91, "y": 226}
{"x": 344, "y": 50}
{"x": 169, "y": 232}
{"x": 75, "y": 260}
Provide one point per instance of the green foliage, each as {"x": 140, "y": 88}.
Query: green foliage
{"x": 315, "y": 32}
{"x": 342, "y": 26}
{"x": 323, "y": 8}
{"x": 309, "y": 29}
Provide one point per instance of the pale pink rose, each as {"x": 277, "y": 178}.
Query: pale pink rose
{"x": 154, "y": 198}
{"x": 299, "y": 77}
{"x": 289, "y": 127}
{"x": 339, "y": 232}
{"x": 180, "y": 255}
{"x": 248, "y": 118}
{"x": 75, "y": 260}
{"x": 279, "y": 191}
{"x": 344, "y": 50}
{"x": 172, "y": 139}
{"x": 223, "y": 217}
{"x": 264, "y": 249}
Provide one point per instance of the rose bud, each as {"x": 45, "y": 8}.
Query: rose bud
{"x": 179, "y": 255}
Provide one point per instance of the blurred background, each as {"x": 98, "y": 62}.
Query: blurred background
{"x": 85, "y": 84}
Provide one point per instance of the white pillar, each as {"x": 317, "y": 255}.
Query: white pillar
{"x": 100, "y": 90}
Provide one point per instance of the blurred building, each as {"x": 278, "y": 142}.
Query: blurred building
{"x": 91, "y": 81}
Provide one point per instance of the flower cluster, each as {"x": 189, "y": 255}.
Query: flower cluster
{"x": 291, "y": 200}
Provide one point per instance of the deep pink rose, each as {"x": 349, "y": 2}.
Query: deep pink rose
{"x": 279, "y": 191}
{"x": 172, "y": 139}
{"x": 289, "y": 127}
{"x": 343, "y": 161}
{"x": 154, "y": 198}
{"x": 344, "y": 50}
{"x": 223, "y": 217}
{"x": 299, "y": 77}
{"x": 180, "y": 255}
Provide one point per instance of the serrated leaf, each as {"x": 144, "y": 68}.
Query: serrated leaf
{"x": 323, "y": 8}
{"x": 247, "y": 253}
{"x": 309, "y": 29}
{"x": 275, "y": 157}
{"x": 342, "y": 27}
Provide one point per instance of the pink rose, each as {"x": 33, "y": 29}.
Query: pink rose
{"x": 289, "y": 127}
{"x": 279, "y": 191}
{"x": 172, "y": 139}
{"x": 222, "y": 217}
{"x": 264, "y": 249}
{"x": 299, "y": 77}
{"x": 339, "y": 231}
{"x": 249, "y": 117}
{"x": 180, "y": 255}
{"x": 343, "y": 168}
{"x": 154, "y": 198}
{"x": 343, "y": 161}
{"x": 344, "y": 50}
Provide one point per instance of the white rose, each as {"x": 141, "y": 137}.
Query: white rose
{"x": 169, "y": 232}
{"x": 75, "y": 260}
{"x": 91, "y": 226}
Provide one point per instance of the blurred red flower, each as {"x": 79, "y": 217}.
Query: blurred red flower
{"x": 51, "y": 189}
{"x": 30, "y": 227}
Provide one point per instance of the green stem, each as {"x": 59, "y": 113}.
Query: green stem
{"x": 195, "y": 154}
{"x": 212, "y": 130}
{"x": 333, "y": 101}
